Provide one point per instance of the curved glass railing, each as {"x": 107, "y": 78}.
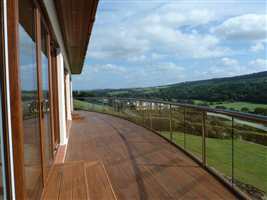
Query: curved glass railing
{"x": 231, "y": 145}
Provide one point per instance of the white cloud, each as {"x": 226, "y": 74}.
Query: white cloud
{"x": 175, "y": 19}
{"x": 137, "y": 58}
{"x": 110, "y": 68}
{"x": 227, "y": 67}
{"x": 168, "y": 67}
{"x": 190, "y": 45}
{"x": 146, "y": 44}
{"x": 257, "y": 47}
{"x": 258, "y": 64}
{"x": 246, "y": 27}
{"x": 230, "y": 62}
{"x": 157, "y": 56}
{"x": 136, "y": 38}
{"x": 156, "y": 74}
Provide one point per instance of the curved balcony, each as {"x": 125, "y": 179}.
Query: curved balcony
{"x": 230, "y": 145}
{"x": 111, "y": 158}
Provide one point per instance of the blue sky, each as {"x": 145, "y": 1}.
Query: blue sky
{"x": 139, "y": 43}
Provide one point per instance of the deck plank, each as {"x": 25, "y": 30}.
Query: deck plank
{"x": 66, "y": 188}
{"x": 98, "y": 182}
{"x": 138, "y": 164}
{"x": 54, "y": 184}
{"x": 79, "y": 182}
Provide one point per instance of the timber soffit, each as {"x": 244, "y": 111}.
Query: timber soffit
{"x": 76, "y": 19}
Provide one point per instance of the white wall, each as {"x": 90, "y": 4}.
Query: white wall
{"x": 61, "y": 100}
{"x": 68, "y": 97}
{"x": 52, "y": 14}
{"x": 51, "y": 11}
{"x": 71, "y": 96}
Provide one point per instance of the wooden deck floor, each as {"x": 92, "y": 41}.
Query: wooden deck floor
{"x": 110, "y": 158}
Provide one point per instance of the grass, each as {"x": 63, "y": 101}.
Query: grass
{"x": 114, "y": 93}
{"x": 250, "y": 159}
{"x": 83, "y": 105}
{"x": 239, "y": 105}
{"x": 103, "y": 108}
{"x": 233, "y": 105}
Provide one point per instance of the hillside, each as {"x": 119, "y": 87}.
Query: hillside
{"x": 246, "y": 88}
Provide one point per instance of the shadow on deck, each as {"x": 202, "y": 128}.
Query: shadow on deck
{"x": 111, "y": 158}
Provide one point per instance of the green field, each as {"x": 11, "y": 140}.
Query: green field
{"x": 250, "y": 159}
{"x": 240, "y": 105}
{"x": 96, "y": 107}
{"x": 232, "y": 105}
{"x": 83, "y": 105}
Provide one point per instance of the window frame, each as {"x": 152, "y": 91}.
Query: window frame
{"x": 15, "y": 89}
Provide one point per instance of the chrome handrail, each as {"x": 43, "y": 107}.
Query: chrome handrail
{"x": 236, "y": 114}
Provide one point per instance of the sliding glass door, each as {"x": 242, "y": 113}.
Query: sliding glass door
{"x": 35, "y": 77}
{"x": 3, "y": 185}
{"x": 48, "y": 149}
{"x": 2, "y": 160}
{"x": 3, "y": 194}
{"x": 55, "y": 98}
{"x": 29, "y": 88}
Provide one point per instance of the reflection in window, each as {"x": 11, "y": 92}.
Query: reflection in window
{"x": 29, "y": 89}
{"x": 46, "y": 97}
{"x": 2, "y": 160}
{"x": 3, "y": 194}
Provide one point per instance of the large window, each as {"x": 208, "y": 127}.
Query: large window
{"x": 29, "y": 89}
{"x": 36, "y": 96}
{"x": 46, "y": 100}
{"x": 2, "y": 160}
{"x": 3, "y": 185}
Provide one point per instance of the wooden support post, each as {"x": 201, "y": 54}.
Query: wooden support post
{"x": 150, "y": 115}
{"x": 170, "y": 118}
{"x": 184, "y": 128}
{"x": 204, "y": 138}
{"x": 233, "y": 166}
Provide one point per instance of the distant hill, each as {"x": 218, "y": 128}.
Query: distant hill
{"x": 249, "y": 88}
